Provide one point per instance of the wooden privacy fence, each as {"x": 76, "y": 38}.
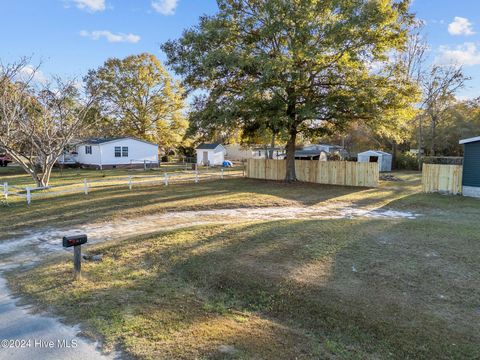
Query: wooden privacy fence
{"x": 442, "y": 178}
{"x": 322, "y": 172}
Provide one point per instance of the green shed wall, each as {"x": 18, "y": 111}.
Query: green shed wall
{"x": 471, "y": 164}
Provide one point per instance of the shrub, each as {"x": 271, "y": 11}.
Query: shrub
{"x": 407, "y": 161}
{"x": 334, "y": 157}
{"x": 443, "y": 160}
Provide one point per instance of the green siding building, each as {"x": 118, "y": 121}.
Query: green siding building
{"x": 471, "y": 167}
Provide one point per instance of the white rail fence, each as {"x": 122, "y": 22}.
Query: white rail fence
{"x": 29, "y": 193}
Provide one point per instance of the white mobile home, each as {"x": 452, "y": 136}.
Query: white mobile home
{"x": 210, "y": 154}
{"x": 116, "y": 152}
{"x": 383, "y": 159}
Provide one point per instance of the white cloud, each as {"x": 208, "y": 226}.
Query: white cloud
{"x": 467, "y": 54}
{"x": 165, "y": 7}
{"x": 29, "y": 72}
{"x": 111, "y": 37}
{"x": 90, "y": 5}
{"x": 461, "y": 26}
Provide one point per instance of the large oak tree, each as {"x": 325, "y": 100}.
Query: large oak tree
{"x": 137, "y": 97}
{"x": 309, "y": 62}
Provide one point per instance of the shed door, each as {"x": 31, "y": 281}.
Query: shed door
{"x": 471, "y": 165}
{"x": 374, "y": 159}
{"x": 205, "y": 157}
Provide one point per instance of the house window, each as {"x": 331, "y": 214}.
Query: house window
{"x": 125, "y": 151}
{"x": 88, "y": 150}
{"x": 118, "y": 151}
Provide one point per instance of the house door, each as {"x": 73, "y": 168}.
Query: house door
{"x": 205, "y": 157}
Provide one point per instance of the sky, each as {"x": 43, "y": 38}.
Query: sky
{"x": 69, "y": 37}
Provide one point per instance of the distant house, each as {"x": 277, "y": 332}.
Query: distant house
{"x": 311, "y": 154}
{"x": 324, "y": 147}
{"x": 210, "y": 154}
{"x": 236, "y": 152}
{"x": 471, "y": 167}
{"x": 115, "y": 152}
{"x": 278, "y": 153}
{"x": 319, "y": 152}
{"x": 383, "y": 159}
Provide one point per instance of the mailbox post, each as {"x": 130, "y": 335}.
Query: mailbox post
{"x": 76, "y": 241}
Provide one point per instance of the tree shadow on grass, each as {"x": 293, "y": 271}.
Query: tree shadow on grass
{"x": 365, "y": 286}
{"x": 259, "y": 272}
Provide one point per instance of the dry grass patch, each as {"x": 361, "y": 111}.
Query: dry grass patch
{"x": 284, "y": 289}
{"x": 333, "y": 289}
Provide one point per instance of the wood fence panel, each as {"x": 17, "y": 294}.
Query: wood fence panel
{"x": 352, "y": 175}
{"x": 322, "y": 172}
{"x": 362, "y": 174}
{"x": 442, "y": 178}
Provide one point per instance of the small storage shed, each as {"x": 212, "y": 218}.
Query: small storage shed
{"x": 471, "y": 167}
{"x": 210, "y": 154}
{"x": 383, "y": 159}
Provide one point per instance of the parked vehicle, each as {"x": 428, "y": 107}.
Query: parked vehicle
{"x": 5, "y": 159}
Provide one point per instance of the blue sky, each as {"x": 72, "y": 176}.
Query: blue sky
{"x": 72, "y": 36}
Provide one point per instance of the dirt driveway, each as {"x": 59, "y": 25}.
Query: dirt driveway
{"x": 27, "y": 249}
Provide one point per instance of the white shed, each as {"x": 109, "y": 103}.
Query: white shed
{"x": 116, "y": 152}
{"x": 383, "y": 159}
{"x": 210, "y": 154}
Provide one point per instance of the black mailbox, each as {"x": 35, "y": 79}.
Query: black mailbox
{"x": 75, "y": 240}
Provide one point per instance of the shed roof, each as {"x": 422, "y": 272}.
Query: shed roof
{"x": 470, "y": 140}
{"x": 378, "y": 152}
{"x": 98, "y": 141}
{"x": 205, "y": 146}
{"x": 313, "y": 152}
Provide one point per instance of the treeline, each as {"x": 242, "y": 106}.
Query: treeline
{"x": 265, "y": 72}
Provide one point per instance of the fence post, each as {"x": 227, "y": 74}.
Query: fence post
{"x": 5, "y": 190}
{"x": 196, "y": 176}
{"x": 29, "y": 196}
{"x": 166, "y": 179}
{"x": 130, "y": 182}
{"x": 85, "y": 186}
{"x": 144, "y": 164}
{"x": 222, "y": 175}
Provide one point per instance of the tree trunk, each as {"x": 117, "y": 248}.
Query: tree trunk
{"x": 27, "y": 166}
{"x": 291, "y": 175}
{"x": 47, "y": 171}
{"x": 433, "y": 128}
{"x": 420, "y": 143}
{"x": 394, "y": 154}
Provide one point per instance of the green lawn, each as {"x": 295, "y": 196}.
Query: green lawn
{"x": 327, "y": 288}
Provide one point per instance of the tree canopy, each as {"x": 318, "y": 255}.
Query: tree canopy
{"x": 37, "y": 121}
{"x": 308, "y": 64}
{"x": 139, "y": 98}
